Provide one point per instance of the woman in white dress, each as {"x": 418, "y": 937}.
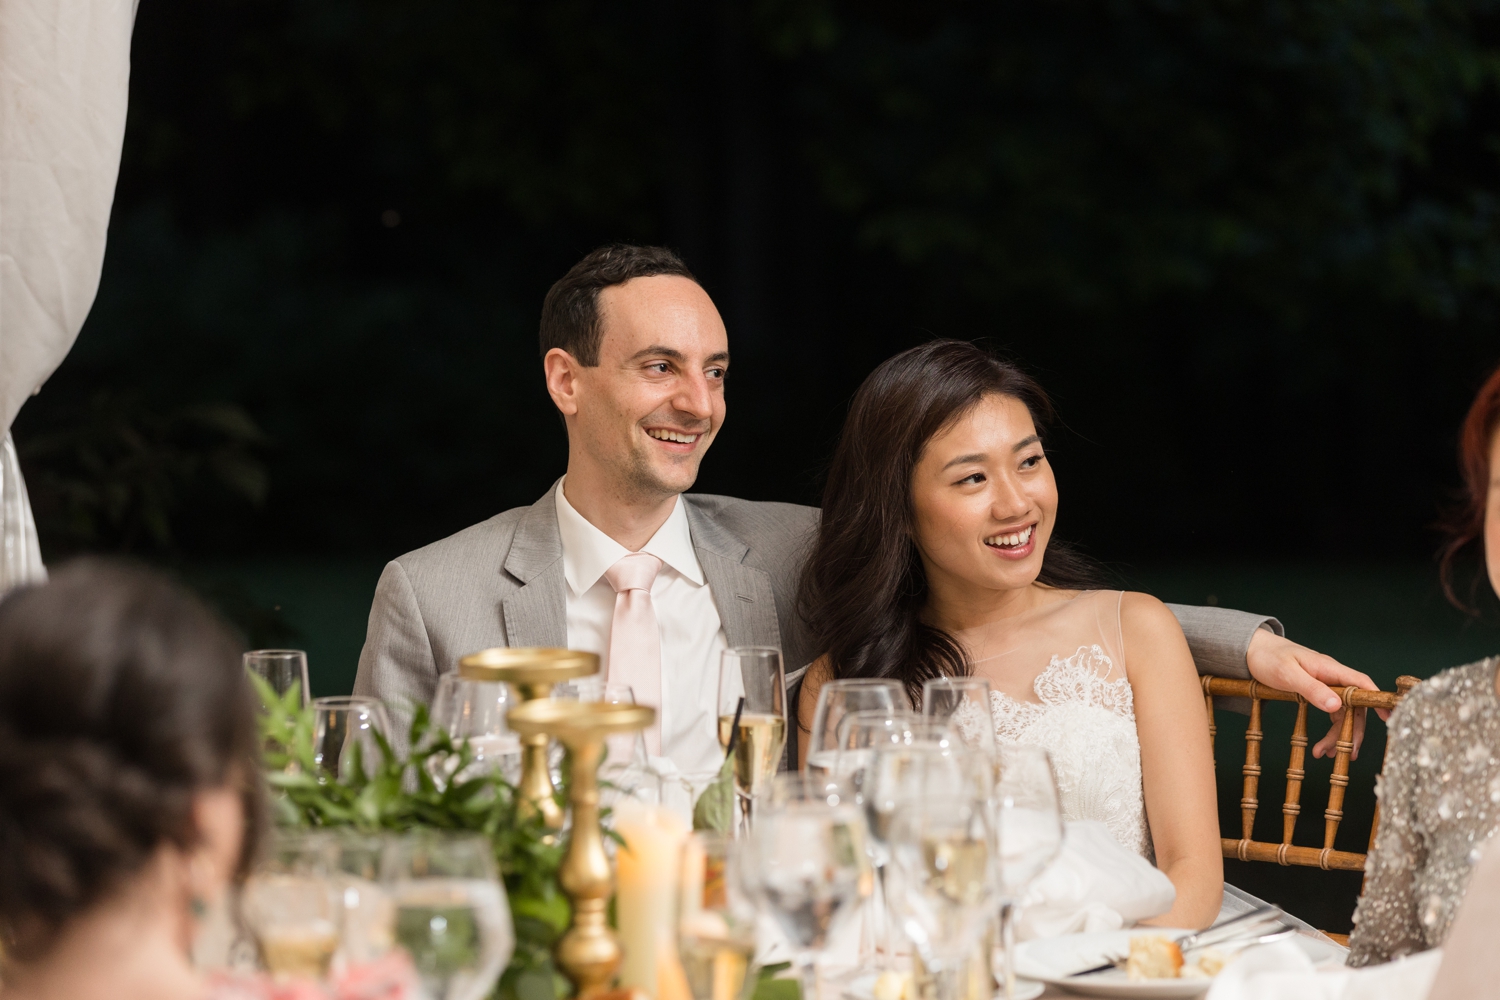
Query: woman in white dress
{"x": 936, "y": 557}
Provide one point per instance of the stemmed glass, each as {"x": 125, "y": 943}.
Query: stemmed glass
{"x": 281, "y": 669}
{"x": 474, "y": 710}
{"x": 451, "y": 914}
{"x": 626, "y": 751}
{"x": 752, "y": 717}
{"x": 837, "y": 700}
{"x": 964, "y": 703}
{"x": 293, "y": 906}
{"x": 344, "y": 734}
{"x": 804, "y": 864}
{"x": 944, "y": 881}
{"x": 1031, "y": 833}
{"x": 716, "y": 922}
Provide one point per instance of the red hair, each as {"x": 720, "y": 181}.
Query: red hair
{"x": 1465, "y": 523}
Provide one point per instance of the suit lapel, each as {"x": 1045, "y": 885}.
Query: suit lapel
{"x": 537, "y": 613}
{"x": 743, "y": 594}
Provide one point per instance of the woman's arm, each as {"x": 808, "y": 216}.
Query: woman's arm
{"x": 818, "y": 674}
{"x": 1177, "y": 767}
{"x": 1385, "y": 921}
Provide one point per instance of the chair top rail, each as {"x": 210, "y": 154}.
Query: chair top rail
{"x": 1227, "y": 687}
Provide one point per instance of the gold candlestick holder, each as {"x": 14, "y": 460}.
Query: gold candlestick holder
{"x": 589, "y": 953}
{"x": 531, "y": 671}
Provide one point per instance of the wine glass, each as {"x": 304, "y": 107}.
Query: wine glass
{"x": 625, "y": 750}
{"x": 804, "y": 864}
{"x": 344, "y": 731}
{"x": 837, "y": 700}
{"x": 474, "y": 710}
{"x": 369, "y": 915}
{"x": 451, "y": 913}
{"x": 1031, "y": 833}
{"x": 716, "y": 922}
{"x": 964, "y": 703}
{"x": 293, "y": 907}
{"x": 752, "y": 717}
{"x": 944, "y": 880}
{"x": 282, "y": 669}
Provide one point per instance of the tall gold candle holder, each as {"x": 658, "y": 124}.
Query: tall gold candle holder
{"x": 531, "y": 671}
{"x": 589, "y": 953}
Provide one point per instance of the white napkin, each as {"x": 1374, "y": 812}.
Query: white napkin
{"x": 1093, "y": 885}
{"x": 1282, "y": 971}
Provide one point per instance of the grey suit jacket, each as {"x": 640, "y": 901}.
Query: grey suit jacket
{"x": 500, "y": 583}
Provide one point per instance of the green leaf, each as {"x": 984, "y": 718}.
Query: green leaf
{"x": 714, "y": 809}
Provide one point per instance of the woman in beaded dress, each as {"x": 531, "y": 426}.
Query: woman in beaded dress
{"x": 1440, "y": 791}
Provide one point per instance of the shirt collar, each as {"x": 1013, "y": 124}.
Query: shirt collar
{"x": 589, "y": 552}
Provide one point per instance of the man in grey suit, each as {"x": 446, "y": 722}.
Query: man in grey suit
{"x": 634, "y": 354}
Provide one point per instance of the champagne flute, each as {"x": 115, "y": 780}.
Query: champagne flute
{"x": 945, "y": 882}
{"x": 1031, "y": 833}
{"x": 860, "y": 736}
{"x": 752, "y": 717}
{"x": 344, "y": 731}
{"x": 716, "y": 922}
{"x": 282, "y": 669}
{"x": 451, "y": 913}
{"x": 804, "y": 864}
{"x": 837, "y": 700}
{"x": 474, "y": 710}
{"x": 964, "y": 703}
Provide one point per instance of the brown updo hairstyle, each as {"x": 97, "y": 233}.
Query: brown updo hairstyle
{"x": 121, "y": 696}
{"x": 1464, "y": 524}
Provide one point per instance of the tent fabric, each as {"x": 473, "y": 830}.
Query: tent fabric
{"x": 64, "y": 85}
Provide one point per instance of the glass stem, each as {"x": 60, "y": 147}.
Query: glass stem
{"x": 877, "y": 931}
{"x": 810, "y": 977}
{"x": 1008, "y": 942}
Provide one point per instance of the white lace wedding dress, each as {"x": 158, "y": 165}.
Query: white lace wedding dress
{"x": 1064, "y": 665}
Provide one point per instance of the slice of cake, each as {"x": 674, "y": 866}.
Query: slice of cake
{"x": 1153, "y": 956}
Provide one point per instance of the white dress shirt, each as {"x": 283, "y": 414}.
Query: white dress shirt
{"x": 692, "y": 637}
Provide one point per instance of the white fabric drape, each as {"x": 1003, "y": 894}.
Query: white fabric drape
{"x": 64, "y": 83}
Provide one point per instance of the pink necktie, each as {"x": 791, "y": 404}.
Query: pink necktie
{"x": 634, "y": 638}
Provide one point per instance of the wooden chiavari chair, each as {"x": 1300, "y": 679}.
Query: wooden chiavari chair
{"x": 1246, "y": 848}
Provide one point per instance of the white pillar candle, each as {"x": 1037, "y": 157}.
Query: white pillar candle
{"x": 645, "y": 896}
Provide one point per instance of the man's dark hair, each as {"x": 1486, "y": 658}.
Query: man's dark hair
{"x": 121, "y": 696}
{"x": 570, "y": 312}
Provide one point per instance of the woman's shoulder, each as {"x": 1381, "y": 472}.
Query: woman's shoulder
{"x": 1142, "y": 611}
{"x": 1455, "y": 686}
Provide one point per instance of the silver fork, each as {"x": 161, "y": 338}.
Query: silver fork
{"x": 1214, "y": 935}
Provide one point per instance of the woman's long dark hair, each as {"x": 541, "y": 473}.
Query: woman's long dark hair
{"x": 863, "y": 589}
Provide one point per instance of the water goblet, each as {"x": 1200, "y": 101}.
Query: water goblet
{"x": 1029, "y": 818}
{"x": 964, "y": 703}
{"x": 474, "y": 710}
{"x": 282, "y": 669}
{"x": 944, "y": 881}
{"x": 716, "y": 922}
{"x": 837, "y": 700}
{"x": 752, "y": 717}
{"x": 451, "y": 913}
{"x": 804, "y": 864}
{"x": 344, "y": 731}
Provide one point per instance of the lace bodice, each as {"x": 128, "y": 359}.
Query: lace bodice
{"x": 1083, "y": 713}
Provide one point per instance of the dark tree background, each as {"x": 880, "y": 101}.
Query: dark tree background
{"x": 1253, "y": 249}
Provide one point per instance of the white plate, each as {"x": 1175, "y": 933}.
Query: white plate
{"x": 863, "y": 988}
{"x": 1051, "y": 959}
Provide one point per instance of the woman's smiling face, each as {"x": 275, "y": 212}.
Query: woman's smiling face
{"x": 984, "y": 500}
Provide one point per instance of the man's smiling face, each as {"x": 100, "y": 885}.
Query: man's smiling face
{"x": 647, "y": 412}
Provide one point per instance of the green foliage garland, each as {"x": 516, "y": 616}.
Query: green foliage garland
{"x": 402, "y": 794}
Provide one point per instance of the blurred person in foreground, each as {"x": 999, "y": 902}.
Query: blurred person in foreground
{"x": 1440, "y": 791}
{"x": 618, "y": 559}
{"x": 129, "y": 797}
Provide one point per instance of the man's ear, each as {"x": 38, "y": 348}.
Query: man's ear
{"x": 561, "y": 370}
